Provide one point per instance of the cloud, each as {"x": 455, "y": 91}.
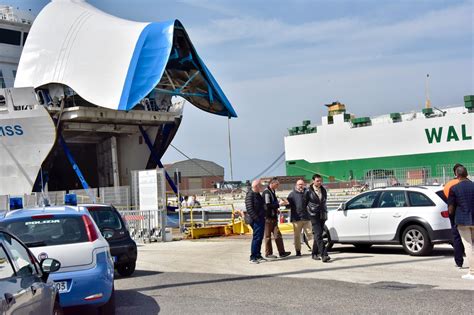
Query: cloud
{"x": 213, "y": 6}
{"x": 442, "y": 23}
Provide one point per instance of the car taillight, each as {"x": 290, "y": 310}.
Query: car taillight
{"x": 90, "y": 228}
{"x": 445, "y": 214}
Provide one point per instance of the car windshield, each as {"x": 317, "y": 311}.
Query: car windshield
{"x": 106, "y": 218}
{"x": 36, "y": 232}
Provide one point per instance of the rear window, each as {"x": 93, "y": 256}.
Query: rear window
{"x": 419, "y": 200}
{"x": 441, "y": 194}
{"x": 106, "y": 218}
{"x": 48, "y": 231}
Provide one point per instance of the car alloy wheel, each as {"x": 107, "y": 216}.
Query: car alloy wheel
{"x": 415, "y": 241}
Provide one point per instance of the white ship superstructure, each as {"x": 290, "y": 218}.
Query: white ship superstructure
{"x": 345, "y": 148}
{"x": 14, "y": 28}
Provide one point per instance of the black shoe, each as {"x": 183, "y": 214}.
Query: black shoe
{"x": 285, "y": 254}
{"x": 316, "y": 257}
{"x": 271, "y": 256}
{"x": 326, "y": 259}
{"x": 298, "y": 253}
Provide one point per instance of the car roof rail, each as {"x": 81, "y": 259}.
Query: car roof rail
{"x": 418, "y": 186}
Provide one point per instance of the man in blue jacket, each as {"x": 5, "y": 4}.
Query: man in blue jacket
{"x": 461, "y": 205}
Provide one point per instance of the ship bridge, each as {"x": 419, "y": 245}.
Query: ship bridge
{"x": 114, "y": 88}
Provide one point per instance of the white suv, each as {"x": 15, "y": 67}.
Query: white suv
{"x": 416, "y": 217}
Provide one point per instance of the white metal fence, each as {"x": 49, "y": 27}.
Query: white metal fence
{"x": 145, "y": 225}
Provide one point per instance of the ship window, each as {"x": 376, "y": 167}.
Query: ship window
{"x": 10, "y": 37}
{"x": 2, "y": 81}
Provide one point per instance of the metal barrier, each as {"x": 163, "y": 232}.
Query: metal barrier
{"x": 118, "y": 196}
{"x": 211, "y": 220}
{"x": 144, "y": 225}
{"x": 208, "y": 215}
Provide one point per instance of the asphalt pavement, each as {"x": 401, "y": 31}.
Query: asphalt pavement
{"x": 152, "y": 292}
{"x": 214, "y": 276}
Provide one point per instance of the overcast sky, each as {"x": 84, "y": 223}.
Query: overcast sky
{"x": 279, "y": 62}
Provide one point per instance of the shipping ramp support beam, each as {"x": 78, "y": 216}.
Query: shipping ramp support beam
{"x": 157, "y": 159}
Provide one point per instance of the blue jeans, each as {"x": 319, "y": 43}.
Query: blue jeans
{"x": 457, "y": 244}
{"x": 257, "y": 238}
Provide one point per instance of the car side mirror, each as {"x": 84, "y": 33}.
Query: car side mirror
{"x": 48, "y": 266}
{"x": 342, "y": 206}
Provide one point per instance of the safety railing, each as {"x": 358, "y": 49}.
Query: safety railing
{"x": 211, "y": 220}
{"x": 208, "y": 215}
{"x": 144, "y": 225}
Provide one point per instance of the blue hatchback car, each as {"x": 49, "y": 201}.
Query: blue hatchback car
{"x": 69, "y": 234}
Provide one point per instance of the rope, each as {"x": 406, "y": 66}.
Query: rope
{"x": 270, "y": 166}
{"x": 181, "y": 152}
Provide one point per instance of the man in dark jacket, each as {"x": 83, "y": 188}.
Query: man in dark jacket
{"x": 457, "y": 241}
{"x": 461, "y": 206}
{"x": 256, "y": 219}
{"x": 299, "y": 215}
{"x": 271, "y": 206}
{"x": 314, "y": 200}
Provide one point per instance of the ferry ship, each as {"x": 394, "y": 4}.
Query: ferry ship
{"x": 95, "y": 97}
{"x": 411, "y": 146}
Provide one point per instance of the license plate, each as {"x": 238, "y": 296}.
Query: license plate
{"x": 61, "y": 286}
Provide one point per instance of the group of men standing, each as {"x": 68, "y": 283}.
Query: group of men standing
{"x": 308, "y": 208}
{"x": 309, "y": 213}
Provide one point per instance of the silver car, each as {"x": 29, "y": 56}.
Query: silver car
{"x": 23, "y": 281}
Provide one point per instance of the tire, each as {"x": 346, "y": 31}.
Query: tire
{"x": 327, "y": 239}
{"x": 362, "y": 246}
{"x": 109, "y": 307}
{"x": 126, "y": 270}
{"x": 57, "y": 309}
{"x": 416, "y": 241}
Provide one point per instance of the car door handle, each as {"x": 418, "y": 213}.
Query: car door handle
{"x": 364, "y": 216}
{"x": 397, "y": 215}
{"x": 9, "y": 298}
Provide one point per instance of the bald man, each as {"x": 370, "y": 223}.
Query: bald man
{"x": 254, "y": 204}
{"x": 299, "y": 215}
